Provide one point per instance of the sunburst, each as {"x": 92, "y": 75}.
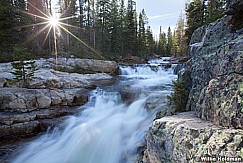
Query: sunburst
{"x": 56, "y": 24}
{"x": 53, "y": 21}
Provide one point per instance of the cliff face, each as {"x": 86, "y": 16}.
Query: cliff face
{"x": 216, "y": 68}
{"x": 216, "y": 98}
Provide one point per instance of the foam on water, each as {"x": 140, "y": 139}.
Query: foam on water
{"x": 148, "y": 76}
{"x": 106, "y": 130}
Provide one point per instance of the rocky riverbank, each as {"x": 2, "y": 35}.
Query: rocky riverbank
{"x": 50, "y": 95}
{"x": 212, "y": 127}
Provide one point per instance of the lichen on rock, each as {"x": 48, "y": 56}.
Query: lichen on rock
{"x": 186, "y": 138}
{"x": 221, "y": 101}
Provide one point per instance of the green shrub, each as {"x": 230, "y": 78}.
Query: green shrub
{"x": 23, "y": 70}
{"x": 6, "y": 57}
{"x": 178, "y": 99}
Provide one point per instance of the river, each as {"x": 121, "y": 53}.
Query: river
{"x": 108, "y": 129}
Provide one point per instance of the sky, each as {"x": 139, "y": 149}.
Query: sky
{"x": 162, "y": 13}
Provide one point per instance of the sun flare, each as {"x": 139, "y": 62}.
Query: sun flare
{"x": 54, "y": 25}
{"x": 53, "y": 21}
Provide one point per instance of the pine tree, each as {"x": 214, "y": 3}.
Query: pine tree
{"x": 180, "y": 42}
{"x": 6, "y": 24}
{"x": 23, "y": 70}
{"x": 200, "y": 12}
{"x": 162, "y": 43}
{"x": 106, "y": 25}
{"x": 195, "y": 17}
{"x": 114, "y": 27}
{"x": 12, "y": 21}
{"x": 175, "y": 46}
{"x": 69, "y": 10}
{"x": 150, "y": 43}
{"x": 130, "y": 44}
{"x": 214, "y": 10}
{"x": 103, "y": 20}
{"x": 87, "y": 21}
{"x": 38, "y": 9}
{"x": 143, "y": 20}
{"x": 169, "y": 47}
{"x": 122, "y": 24}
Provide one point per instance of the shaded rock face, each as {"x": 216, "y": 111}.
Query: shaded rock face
{"x": 186, "y": 138}
{"x": 14, "y": 126}
{"x": 22, "y": 109}
{"x": 25, "y": 129}
{"x": 215, "y": 52}
{"x": 222, "y": 101}
{"x": 235, "y": 14}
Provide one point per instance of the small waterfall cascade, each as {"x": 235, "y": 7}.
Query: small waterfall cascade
{"x": 176, "y": 68}
{"x": 106, "y": 130}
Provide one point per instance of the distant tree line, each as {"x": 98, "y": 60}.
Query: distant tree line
{"x": 108, "y": 27}
{"x": 11, "y": 22}
{"x": 116, "y": 29}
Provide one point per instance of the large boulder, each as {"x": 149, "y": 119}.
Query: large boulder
{"x": 186, "y": 138}
{"x": 215, "y": 52}
{"x": 26, "y": 100}
{"x": 222, "y": 101}
{"x": 90, "y": 65}
{"x": 49, "y": 78}
{"x": 19, "y": 129}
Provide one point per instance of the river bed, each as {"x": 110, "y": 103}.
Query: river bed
{"x": 110, "y": 128}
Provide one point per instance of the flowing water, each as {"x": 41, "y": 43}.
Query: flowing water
{"x": 107, "y": 129}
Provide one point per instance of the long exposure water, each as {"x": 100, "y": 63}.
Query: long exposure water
{"x": 107, "y": 129}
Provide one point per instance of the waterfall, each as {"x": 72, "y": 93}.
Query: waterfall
{"x": 162, "y": 60}
{"x": 148, "y": 75}
{"x": 142, "y": 70}
{"x": 106, "y": 130}
{"x": 176, "y": 68}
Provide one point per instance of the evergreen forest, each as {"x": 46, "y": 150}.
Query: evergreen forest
{"x": 101, "y": 29}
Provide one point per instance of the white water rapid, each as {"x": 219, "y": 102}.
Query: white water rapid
{"x": 107, "y": 130}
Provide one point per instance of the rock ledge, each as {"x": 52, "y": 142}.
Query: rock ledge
{"x": 186, "y": 138}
